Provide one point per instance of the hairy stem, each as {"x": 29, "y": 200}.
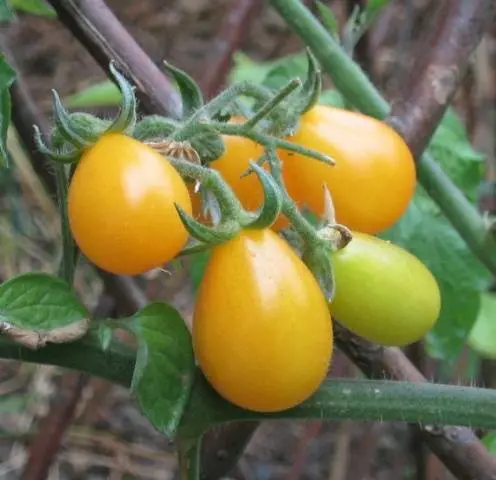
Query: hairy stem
{"x": 425, "y": 403}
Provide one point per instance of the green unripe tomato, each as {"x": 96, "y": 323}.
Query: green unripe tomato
{"x": 384, "y": 293}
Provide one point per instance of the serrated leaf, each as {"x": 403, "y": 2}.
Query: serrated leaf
{"x": 328, "y": 18}
{"x": 165, "y": 365}
{"x": 99, "y": 94}
{"x": 482, "y": 338}
{"x": 428, "y": 235}
{"x": 6, "y": 12}
{"x": 36, "y": 7}
{"x": 7, "y": 77}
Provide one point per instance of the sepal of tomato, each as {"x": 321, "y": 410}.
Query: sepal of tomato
{"x": 232, "y": 165}
{"x": 374, "y": 177}
{"x": 383, "y": 293}
{"x": 121, "y": 206}
{"x": 262, "y": 331}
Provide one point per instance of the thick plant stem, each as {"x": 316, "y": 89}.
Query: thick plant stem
{"x": 425, "y": 403}
{"x": 352, "y": 82}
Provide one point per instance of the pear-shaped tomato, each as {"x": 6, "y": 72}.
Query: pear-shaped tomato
{"x": 374, "y": 177}
{"x": 383, "y": 292}
{"x": 261, "y": 329}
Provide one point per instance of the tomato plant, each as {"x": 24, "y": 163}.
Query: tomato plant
{"x": 384, "y": 293}
{"x": 232, "y": 165}
{"x": 121, "y": 206}
{"x": 374, "y": 177}
{"x": 262, "y": 331}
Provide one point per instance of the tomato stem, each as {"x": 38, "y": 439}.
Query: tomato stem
{"x": 270, "y": 141}
{"x": 271, "y": 104}
{"x": 229, "y": 204}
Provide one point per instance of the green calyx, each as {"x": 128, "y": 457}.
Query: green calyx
{"x": 227, "y": 213}
{"x": 75, "y": 132}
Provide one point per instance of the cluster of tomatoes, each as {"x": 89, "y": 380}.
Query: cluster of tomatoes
{"x": 262, "y": 327}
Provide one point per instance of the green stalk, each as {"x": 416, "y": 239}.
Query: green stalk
{"x": 273, "y": 102}
{"x": 243, "y": 131}
{"x": 336, "y": 399}
{"x": 229, "y": 203}
{"x": 356, "y": 87}
{"x": 69, "y": 251}
{"x": 116, "y": 364}
{"x": 367, "y": 400}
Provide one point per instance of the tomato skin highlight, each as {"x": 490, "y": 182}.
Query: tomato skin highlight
{"x": 374, "y": 177}
{"x": 232, "y": 164}
{"x": 121, "y": 206}
{"x": 383, "y": 292}
{"x": 262, "y": 332}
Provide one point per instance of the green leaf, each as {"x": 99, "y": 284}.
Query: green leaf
{"x": 490, "y": 442}
{"x": 328, "y": 18}
{"x": 482, "y": 337}
{"x": 428, "y": 235}
{"x": 452, "y": 149}
{"x": 286, "y": 69}
{"x": 165, "y": 365}
{"x": 6, "y": 12}
{"x": 373, "y": 7}
{"x": 36, "y": 7}
{"x": 99, "y": 94}
{"x": 333, "y": 98}
{"x": 7, "y": 77}
{"x": 37, "y": 308}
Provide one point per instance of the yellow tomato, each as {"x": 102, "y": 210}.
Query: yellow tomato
{"x": 121, "y": 206}
{"x": 383, "y": 292}
{"x": 232, "y": 164}
{"x": 374, "y": 177}
{"x": 262, "y": 331}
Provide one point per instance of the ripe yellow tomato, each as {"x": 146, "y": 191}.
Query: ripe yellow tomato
{"x": 232, "y": 164}
{"x": 262, "y": 331}
{"x": 383, "y": 292}
{"x": 374, "y": 177}
{"x": 121, "y": 206}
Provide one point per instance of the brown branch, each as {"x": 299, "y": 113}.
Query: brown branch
{"x": 105, "y": 38}
{"x": 439, "y": 71}
{"x": 233, "y": 30}
{"x": 458, "y": 447}
{"x": 24, "y": 112}
{"x": 62, "y": 410}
